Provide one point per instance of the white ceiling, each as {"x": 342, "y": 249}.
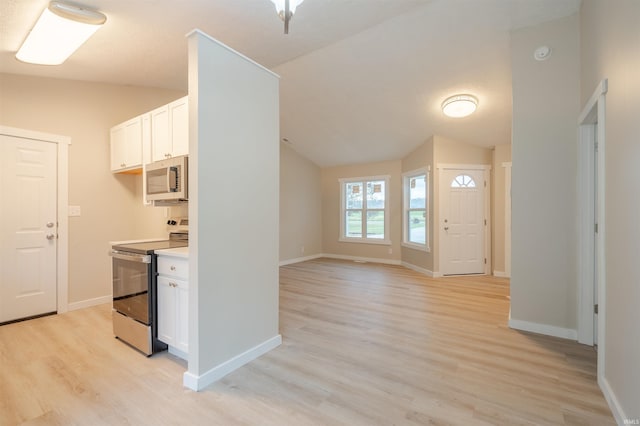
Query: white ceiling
{"x": 362, "y": 80}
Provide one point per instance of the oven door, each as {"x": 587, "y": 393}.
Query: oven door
{"x": 131, "y": 283}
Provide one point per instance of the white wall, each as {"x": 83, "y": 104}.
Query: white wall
{"x": 610, "y": 41}
{"x": 234, "y": 222}
{"x": 545, "y": 110}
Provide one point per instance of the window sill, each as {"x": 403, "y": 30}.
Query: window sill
{"x": 414, "y": 246}
{"x": 365, "y": 241}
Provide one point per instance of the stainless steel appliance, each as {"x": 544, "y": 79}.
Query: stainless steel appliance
{"x": 135, "y": 291}
{"x": 167, "y": 180}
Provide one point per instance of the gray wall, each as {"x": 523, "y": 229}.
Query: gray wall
{"x": 611, "y": 49}
{"x": 421, "y": 157}
{"x": 545, "y": 110}
{"x": 234, "y": 180}
{"x": 300, "y": 206}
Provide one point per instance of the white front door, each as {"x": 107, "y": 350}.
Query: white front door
{"x": 28, "y": 227}
{"x": 462, "y": 222}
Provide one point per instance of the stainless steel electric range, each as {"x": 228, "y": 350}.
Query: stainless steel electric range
{"x": 135, "y": 291}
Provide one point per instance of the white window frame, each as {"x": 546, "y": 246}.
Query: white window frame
{"x": 364, "y": 240}
{"x": 406, "y": 178}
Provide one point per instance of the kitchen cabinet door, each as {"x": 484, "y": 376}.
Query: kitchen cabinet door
{"x": 179, "y": 113}
{"x": 166, "y": 311}
{"x": 146, "y": 137}
{"x": 126, "y": 145}
{"x": 173, "y": 304}
{"x": 146, "y": 154}
{"x": 182, "y": 317}
{"x": 118, "y": 142}
{"x": 170, "y": 130}
{"x": 160, "y": 137}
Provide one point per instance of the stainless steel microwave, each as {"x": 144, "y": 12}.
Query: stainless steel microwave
{"x": 167, "y": 180}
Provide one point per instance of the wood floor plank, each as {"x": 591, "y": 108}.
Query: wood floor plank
{"x": 363, "y": 344}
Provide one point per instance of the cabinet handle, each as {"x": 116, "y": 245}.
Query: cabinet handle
{"x": 173, "y": 268}
{"x": 172, "y": 284}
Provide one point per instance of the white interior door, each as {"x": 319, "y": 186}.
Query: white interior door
{"x": 28, "y": 227}
{"x": 462, "y": 221}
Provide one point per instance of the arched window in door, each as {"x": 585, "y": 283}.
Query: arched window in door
{"x": 463, "y": 181}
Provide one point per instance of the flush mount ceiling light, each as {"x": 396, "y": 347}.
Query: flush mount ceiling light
{"x": 286, "y": 9}
{"x": 459, "y": 105}
{"x": 60, "y": 31}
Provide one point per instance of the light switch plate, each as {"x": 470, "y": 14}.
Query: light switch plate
{"x": 74, "y": 211}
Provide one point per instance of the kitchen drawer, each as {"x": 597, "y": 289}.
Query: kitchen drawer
{"x": 173, "y": 267}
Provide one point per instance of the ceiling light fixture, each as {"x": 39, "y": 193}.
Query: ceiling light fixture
{"x": 60, "y": 31}
{"x": 286, "y": 9}
{"x": 459, "y": 105}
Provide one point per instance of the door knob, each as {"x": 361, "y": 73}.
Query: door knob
{"x": 446, "y": 228}
{"x": 49, "y": 224}
{"x": 50, "y": 236}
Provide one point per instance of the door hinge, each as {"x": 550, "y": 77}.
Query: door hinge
{"x": 596, "y": 228}
{"x": 595, "y": 308}
{"x": 485, "y": 222}
{"x": 485, "y": 260}
{"x": 596, "y": 146}
{"x": 485, "y": 183}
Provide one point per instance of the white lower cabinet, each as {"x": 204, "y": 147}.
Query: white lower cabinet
{"x": 173, "y": 304}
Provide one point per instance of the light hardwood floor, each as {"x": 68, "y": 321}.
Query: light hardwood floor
{"x": 363, "y": 344}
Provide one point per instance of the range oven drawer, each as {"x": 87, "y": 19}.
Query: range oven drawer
{"x": 132, "y": 332}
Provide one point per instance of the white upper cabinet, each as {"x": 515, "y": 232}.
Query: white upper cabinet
{"x": 146, "y": 153}
{"x": 170, "y": 130}
{"x": 126, "y": 145}
{"x": 160, "y": 145}
{"x": 179, "y": 116}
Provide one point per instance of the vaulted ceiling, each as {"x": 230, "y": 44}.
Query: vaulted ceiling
{"x": 361, "y": 80}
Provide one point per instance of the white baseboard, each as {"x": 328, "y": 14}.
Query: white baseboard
{"x": 89, "y": 302}
{"x": 614, "y": 405}
{"x": 299, "y": 259}
{"x": 362, "y": 259}
{"x": 549, "y": 330}
{"x": 197, "y": 383}
{"x": 500, "y": 274}
{"x": 419, "y": 269}
{"x": 341, "y": 257}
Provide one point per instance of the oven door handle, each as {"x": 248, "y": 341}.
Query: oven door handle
{"x": 130, "y": 257}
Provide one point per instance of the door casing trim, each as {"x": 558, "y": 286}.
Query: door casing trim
{"x": 593, "y": 113}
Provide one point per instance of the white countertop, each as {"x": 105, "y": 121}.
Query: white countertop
{"x": 146, "y": 240}
{"x": 175, "y": 252}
